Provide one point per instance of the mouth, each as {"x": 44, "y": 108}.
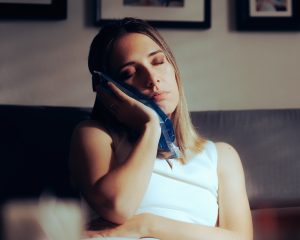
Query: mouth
{"x": 159, "y": 96}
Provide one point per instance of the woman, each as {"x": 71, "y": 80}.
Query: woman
{"x": 120, "y": 172}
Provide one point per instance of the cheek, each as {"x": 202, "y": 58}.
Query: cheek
{"x": 171, "y": 81}
{"x": 169, "y": 74}
{"x": 172, "y": 86}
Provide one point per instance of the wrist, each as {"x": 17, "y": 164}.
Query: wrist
{"x": 148, "y": 226}
{"x": 152, "y": 124}
{"x": 153, "y": 129}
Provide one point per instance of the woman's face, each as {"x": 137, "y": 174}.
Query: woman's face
{"x": 138, "y": 61}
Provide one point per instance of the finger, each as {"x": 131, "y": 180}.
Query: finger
{"x": 109, "y": 101}
{"x": 90, "y": 233}
{"x": 106, "y": 96}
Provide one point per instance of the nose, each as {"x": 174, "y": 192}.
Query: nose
{"x": 152, "y": 79}
{"x": 153, "y": 84}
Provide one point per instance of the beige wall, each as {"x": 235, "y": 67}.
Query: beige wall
{"x": 44, "y": 63}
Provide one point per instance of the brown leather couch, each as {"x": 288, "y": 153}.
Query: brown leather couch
{"x": 34, "y": 148}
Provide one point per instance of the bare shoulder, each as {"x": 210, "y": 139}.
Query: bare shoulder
{"x": 90, "y": 153}
{"x": 89, "y": 125}
{"x": 89, "y": 130}
{"x": 225, "y": 148}
{"x": 228, "y": 159}
{"x": 90, "y": 141}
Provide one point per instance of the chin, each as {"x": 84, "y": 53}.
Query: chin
{"x": 167, "y": 110}
{"x": 167, "y": 107}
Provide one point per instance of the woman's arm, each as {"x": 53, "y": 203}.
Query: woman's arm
{"x": 234, "y": 214}
{"x": 115, "y": 190}
{"x": 234, "y": 209}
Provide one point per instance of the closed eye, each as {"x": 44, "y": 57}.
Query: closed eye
{"x": 125, "y": 75}
{"x": 158, "y": 60}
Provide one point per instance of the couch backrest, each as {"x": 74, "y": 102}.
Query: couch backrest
{"x": 268, "y": 144}
{"x": 34, "y": 148}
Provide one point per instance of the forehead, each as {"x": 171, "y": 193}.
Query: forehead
{"x": 133, "y": 45}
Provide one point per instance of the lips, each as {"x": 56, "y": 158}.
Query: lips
{"x": 159, "y": 96}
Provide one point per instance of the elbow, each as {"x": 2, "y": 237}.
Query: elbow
{"x": 244, "y": 236}
{"x": 115, "y": 205}
{"x": 117, "y": 211}
{"x": 120, "y": 213}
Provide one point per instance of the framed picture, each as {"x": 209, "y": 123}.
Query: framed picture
{"x": 33, "y": 9}
{"x": 273, "y": 15}
{"x": 159, "y": 13}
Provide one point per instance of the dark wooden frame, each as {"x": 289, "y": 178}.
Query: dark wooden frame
{"x": 56, "y": 10}
{"x": 244, "y": 21}
{"x": 205, "y": 24}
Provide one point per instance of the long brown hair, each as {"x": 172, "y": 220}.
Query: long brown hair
{"x": 186, "y": 136}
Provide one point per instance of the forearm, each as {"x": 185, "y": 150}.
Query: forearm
{"x": 168, "y": 229}
{"x": 124, "y": 187}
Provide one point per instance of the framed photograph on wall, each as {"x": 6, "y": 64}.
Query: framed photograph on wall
{"x": 33, "y": 9}
{"x": 159, "y": 13}
{"x": 273, "y": 15}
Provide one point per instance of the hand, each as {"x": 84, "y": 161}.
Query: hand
{"x": 136, "y": 227}
{"x": 127, "y": 110}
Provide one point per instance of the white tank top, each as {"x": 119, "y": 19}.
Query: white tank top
{"x": 187, "y": 192}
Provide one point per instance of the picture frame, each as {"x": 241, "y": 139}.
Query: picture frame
{"x": 191, "y": 14}
{"x": 33, "y": 9}
{"x": 257, "y": 15}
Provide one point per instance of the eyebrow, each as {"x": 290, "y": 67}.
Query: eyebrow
{"x": 149, "y": 55}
